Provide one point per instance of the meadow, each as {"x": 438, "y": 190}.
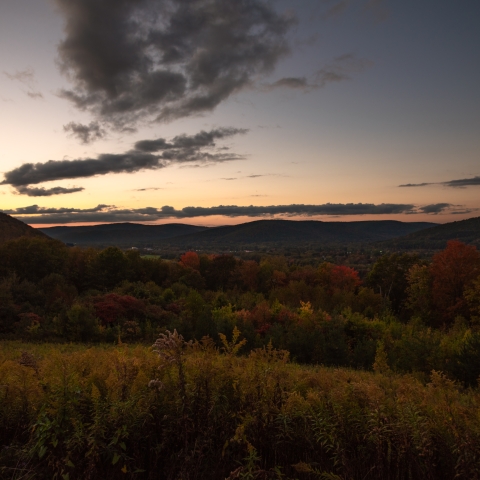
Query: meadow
{"x": 191, "y": 410}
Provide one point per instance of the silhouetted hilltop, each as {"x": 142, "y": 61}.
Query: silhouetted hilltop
{"x": 467, "y": 231}
{"x": 279, "y": 232}
{"x": 11, "y": 228}
{"x": 120, "y": 234}
{"x": 298, "y": 232}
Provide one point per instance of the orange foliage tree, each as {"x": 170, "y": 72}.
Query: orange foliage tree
{"x": 190, "y": 259}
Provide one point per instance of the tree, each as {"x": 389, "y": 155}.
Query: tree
{"x": 389, "y": 278}
{"x": 190, "y": 260}
{"x": 32, "y": 258}
{"x": 419, "y": 291}
{"x": 453, "y": 271}
{"x": 111, "y": 266}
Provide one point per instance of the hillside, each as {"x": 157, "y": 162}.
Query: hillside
{"x": 120, "y": 234}
{"x": 271, "y": 232}
{"x": 11, "y": 228}
{"x": 434, "y": 238}
{"x": 301, "y": 232}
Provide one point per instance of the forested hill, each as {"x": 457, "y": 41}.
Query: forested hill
{"x": 284, "y": 232}
{"x": 436, "y": 238}
{"x": 120, "y": 234}
{"x": 11, "y": 228}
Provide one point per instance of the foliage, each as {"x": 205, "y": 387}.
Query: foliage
{"x": 69, "y": 411}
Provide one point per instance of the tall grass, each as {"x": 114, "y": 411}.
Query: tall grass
{"x": 191, "y": 411}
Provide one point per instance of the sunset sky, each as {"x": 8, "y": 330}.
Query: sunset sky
{"x": 214, "y": 112}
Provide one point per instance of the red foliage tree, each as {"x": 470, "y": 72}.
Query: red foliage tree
{"x": 112, "y": 307}
{"x": 343, "y": 278}
{"x": 453, "y": 270}
{"x": 338, "y": 278}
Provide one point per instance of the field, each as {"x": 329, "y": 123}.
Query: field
{"x": 191, "y": 410}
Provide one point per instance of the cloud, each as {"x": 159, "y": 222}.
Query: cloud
{"x": 416, "y": 184}
{"x": 341, "y": 69}
{"x": 27, "y": 79}
{"x": 30, "y": 173}
{"x": 296, "y": 83}
{"x": 463, "y": 182}
{"x": 85, "y": 133}
{"x": 460, "y": 183}
{"x": 46, "y": 192}
{"x": 135, "y": 59}
{"x": 147, "y": 189}
{"x": 200, "y": 140}
{"x": 338, "y": 70}
{"x": 146, "y": 155}
{"x": 435, "y": 208}
{"x": 109, "y": 213}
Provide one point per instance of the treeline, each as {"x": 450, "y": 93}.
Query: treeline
{"x": 408, "y": 314}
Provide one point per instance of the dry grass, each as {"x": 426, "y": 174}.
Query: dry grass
{"x": 68, "y": 411}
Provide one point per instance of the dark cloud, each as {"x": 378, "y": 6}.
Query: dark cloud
{"x": 110, "y": 213}
{"x": 200, "y": 140}
{"x": 35, "y": 209}
{"x": 27, "y": 79}
{"x": 296, "y": 83}
{"x": 168, "y": 59}
{"x": 460, "y": 183}
{"x": 85, "y": 133}
{"x": 182, "y": 149}
{"x": 30, "y": 173}
{"x": 147, "y": 189}
{"x": 435, "y": 208}
{"x": 46, "y": 192}
{"x": 463, "y": 182}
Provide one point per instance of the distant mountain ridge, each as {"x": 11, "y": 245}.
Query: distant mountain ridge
{"x": 246, "y": 234}
{"x": 11, "y": 228}
{"x": 436, "y": 237}
{"x": 120, "y": 234}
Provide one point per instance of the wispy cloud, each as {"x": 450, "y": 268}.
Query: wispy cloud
{"x": 459, "y": 183}
{"x": 27, "y": 79}
{"x": 339, "y": 69}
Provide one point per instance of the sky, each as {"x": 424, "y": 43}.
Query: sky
{"x": 212, "y": 112}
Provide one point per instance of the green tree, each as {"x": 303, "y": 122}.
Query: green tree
{"x": 388, "y": 277}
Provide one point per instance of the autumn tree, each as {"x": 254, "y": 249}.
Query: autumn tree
{"x": 453, "y": 271}
{"x": 190, "y": 260}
